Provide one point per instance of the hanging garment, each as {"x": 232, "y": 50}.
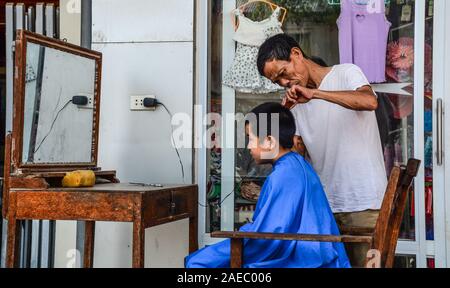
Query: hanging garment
{"x": 243, "y": 75}
{"x": 363, "y": 35}
{"x": 292, "y": 200}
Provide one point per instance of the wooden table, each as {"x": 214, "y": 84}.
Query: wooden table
{"x": 143, "y": 205}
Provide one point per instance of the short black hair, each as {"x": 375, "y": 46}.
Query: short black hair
{"x": 286, "y": 129}
{"x": 277, "y": 47}
{"x": 318, "y": 61}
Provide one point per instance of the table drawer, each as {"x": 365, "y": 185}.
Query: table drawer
{"x": 161, "y": 205}
{"x": 183, "y": 202}
{"x": 170, "y": 205}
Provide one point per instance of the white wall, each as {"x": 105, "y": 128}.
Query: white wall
{"x": 147, "y": 48}
{"x": 70, "y": 20}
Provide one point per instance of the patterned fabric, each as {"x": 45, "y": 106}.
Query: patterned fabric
{"x": 243, "y": 75}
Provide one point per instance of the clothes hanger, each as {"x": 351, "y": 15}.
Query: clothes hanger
{"x": 272, "y": 5}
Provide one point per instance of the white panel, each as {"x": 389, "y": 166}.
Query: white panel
{"x": 9, "y": 19}
{"x": 40, "y": 18}
{"x": 137, "y": 143}
{"x": 66, "y": 255}
{"x": 228, "y": 127}
{"x": 201, "y": 96}
{"x": 165, "y": 246}
{"x": 70, "y": 21}
{"x": 112, "y": 247}
{"x": 142, "y": 20}
{"x": 419, "y": 183}
{"x": 50, "y": 18}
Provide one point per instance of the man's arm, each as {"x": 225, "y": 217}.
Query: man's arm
{"x": 362, "y": 99}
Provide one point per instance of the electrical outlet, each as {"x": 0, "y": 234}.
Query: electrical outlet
{"x": 137, "y": 103}
{"x": 90, "y": 104}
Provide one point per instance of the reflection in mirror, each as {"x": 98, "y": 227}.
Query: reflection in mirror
{"x": 56, "y": 130}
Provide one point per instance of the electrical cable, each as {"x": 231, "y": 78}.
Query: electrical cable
{"x": 51, "y": 127}
{"x": 173, "y": 140}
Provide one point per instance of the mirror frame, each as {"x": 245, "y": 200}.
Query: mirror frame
{"x": 23, "y": 37}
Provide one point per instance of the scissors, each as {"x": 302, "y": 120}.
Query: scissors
{"x": 148, "y": 185}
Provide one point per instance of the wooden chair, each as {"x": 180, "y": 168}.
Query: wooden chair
{"x": 382, "y": 239}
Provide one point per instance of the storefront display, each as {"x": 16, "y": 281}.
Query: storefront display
{"x": 387, "y": 33}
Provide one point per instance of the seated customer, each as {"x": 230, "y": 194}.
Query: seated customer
{"x": 292, "y": 201}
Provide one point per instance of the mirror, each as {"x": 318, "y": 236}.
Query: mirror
{"x": 56, "y": 103}
{"x": 55, "y": 130}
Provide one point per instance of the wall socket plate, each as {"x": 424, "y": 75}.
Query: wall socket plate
{"x": 137, "y": 103}
{"x": 90, "y": 104}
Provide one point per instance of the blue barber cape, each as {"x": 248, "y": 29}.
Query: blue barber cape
{"x": 292, "y": 200}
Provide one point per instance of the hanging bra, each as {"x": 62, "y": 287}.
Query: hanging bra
{"x": 254, "y": 33}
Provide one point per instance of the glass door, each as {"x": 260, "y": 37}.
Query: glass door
{"x": 440, "y": 28}
{"x": 406, "y": 115}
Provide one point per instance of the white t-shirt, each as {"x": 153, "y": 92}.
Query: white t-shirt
{"x": 344, "y": 145}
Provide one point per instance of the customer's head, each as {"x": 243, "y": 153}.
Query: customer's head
{"x": 281, "y": 60}
{"x": 271, "y": 129}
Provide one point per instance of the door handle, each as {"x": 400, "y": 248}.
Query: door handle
{"x": 440, "y": 132}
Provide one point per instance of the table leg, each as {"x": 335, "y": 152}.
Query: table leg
{"x": 89, "y": 239}
{"x": 138, "y": 243}
{"x": 193, "y": 234}
{"x": 13, "y": 246}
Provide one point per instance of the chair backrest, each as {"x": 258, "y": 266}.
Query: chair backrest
{"x": 388, "y": 225}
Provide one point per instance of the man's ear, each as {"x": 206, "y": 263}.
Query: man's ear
{"x": 299, "y": 146}
{"x": 296, "y": 54}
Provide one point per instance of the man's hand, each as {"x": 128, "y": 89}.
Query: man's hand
{"x": 297, "y": 95}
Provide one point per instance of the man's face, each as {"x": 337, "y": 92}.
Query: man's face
{"x": 288, "y": 73}
{"x": 262, "y": 152}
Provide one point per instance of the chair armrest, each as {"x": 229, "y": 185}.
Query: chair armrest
{"x": 357, "y": 231}
{"x": 293, "y": 237}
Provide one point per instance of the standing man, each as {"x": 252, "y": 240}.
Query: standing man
{"x": 334, "y": 112}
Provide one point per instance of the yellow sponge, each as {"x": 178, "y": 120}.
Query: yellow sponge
{"x": 80, "y": 178}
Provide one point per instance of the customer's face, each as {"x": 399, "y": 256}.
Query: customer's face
{"x": 288, "y": 73}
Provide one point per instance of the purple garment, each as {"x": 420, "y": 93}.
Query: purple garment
{"x": 363, "y": 35}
